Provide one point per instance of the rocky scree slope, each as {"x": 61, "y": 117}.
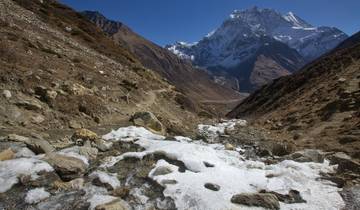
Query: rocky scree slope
{"x": 59, "y": 71}
{"x": 195, "y": 83}
{"x": 318, "y": 106}
{"x": 235, "y": 49}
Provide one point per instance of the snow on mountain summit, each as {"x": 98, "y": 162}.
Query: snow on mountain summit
{"x": 310, "y": 41}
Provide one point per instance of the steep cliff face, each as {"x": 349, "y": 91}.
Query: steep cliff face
{"x": 319, "y": 104}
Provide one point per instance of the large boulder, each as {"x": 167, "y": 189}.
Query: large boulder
{"x": 30, "y": 104}
{"x": 266, "y": 200}
{"x": 308, "y": 155}
{"x": 117, "y": 204}
{"x": 67, "y": 167}
{"x": 149, "y": 121}
{"x": 344, "y": 162}
{"x": 38, "y": 145}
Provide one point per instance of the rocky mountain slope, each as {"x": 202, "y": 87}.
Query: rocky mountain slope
{"x": 59, "y": 71}
{"x": 317, "y": 106}
{"x": 234, "y": 48}
{"x": 196, "y": 83}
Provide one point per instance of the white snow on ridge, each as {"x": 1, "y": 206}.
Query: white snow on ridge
{"x": 233, "y": 174}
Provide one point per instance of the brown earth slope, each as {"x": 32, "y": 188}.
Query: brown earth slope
{"x": 58, "y": 70}
{"x": 192, "y": 81}
{"x": 318, "y": 107}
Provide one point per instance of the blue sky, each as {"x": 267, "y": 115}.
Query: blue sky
{"x": 167, "y": 21}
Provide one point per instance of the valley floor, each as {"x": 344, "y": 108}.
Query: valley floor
{"x": 231, "y": 167}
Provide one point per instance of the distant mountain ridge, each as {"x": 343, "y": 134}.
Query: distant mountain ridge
{"x": 234, "y": 47}
{"x": 192, "y": 81}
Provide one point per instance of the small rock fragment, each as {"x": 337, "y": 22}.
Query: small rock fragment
{"x": 7, "y": 154}
{"x": 265, "y": 200}
{"x": 7, "y": 94}
{"x": 213, "y": 187}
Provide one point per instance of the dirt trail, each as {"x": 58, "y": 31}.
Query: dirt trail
{"x": 150, "y": 97}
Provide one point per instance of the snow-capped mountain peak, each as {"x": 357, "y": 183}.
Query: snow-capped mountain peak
{"x": 246, "y": 33}
{"x": 296, "y": 21}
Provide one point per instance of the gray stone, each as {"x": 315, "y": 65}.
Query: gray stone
{"x": 38, "y": 119}
{"x": 6, "y": 93}
{"x": 351, "y": 196}
{"x": 89, "y": 152}
{"x": 117, "y": 204}
{"x": 68, "y": 168}
{"x": 149, "y": 121}
{"x": 29, "y": 104}
{"x": 308, "y": 155}
{"x": 292, "y": 197}
{"x": 102, "y": 145}
{"x": 38, "y": 146}
{"x": 162, "y": 170}
{"x": 66, "y": 200}
{"x": 266, "y": 200}
{"x": 211, "y": 186}
{"x": 74, "y": 124}
{"x": 345, "y": 163}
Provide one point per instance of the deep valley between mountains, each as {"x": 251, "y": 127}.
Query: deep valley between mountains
{"x": 262, "y": 113}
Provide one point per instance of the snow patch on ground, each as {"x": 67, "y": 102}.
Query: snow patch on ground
{"x": 230, "y": 171}
{"x": 10, "y": 170}
{"x": 36, "y": 195}
{"x": 74, "y": 152}
{"x": 107, "y": 178}
{"x": 96, "y": 200}
{"x": 131, "y": 133}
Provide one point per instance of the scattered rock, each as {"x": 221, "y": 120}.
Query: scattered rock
{"x": 38, "y": 119}
{"x": 229, "y": 146}
{"x": 84, "y": 134}
{"x": 17, "y": 138}
{"x": 281, "y": 149}
{"x": 65, "y": 200}
{"x": 68, "y": 168}
{"x": 102, "y": 145}
{"x": 351, "y": 197}
{"x": 213, "y": 187}
{"x": 266, "y": 200}
{"x": 117, "y": 204}
{"x": 348, "y": 139}
{"x": 308, "y": 155}
{"x": 29, "y": 104}
{"x": 77, "y": 89}
{"x": 292, "y": 197}
{"x": 7, "y": 154}
{"x": 74, "y": 124}
{"x": 341, "y": 79}
{"x": 38, "y": 146}
{"x": 121, "y": 192}
{"x": 208, "y": 165}
{"x": 345, "y": 163}
{"x": 46, "y": 95}
{"x": 162, "y": 170}
{"x": 149, "y": 121}
{"x": 6, "y": 94}
{"x": 75, "y": 184}
{"x": 89, "y": 152}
